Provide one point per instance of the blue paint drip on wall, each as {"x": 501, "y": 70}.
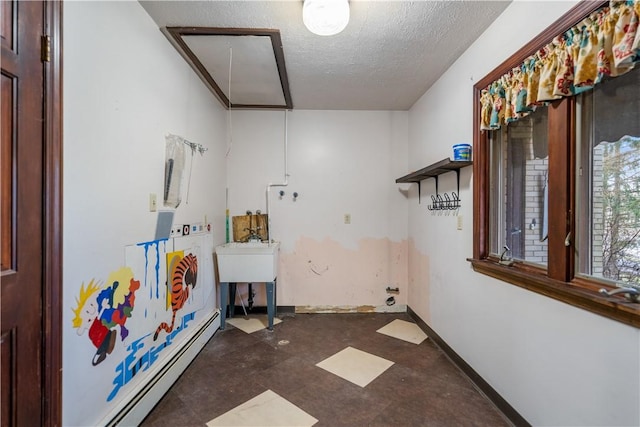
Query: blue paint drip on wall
{"x": 147, "y": 245}
{"x": 157, "y": 271}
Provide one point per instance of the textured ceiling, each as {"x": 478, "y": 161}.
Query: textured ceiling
{"x": 388, "y": 56}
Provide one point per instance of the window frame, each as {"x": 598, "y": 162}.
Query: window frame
{"x": 558, "y": 280}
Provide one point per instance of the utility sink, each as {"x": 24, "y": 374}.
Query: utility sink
{"x": 248, "y": 262}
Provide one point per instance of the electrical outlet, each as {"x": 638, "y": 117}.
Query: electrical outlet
{"x": 347, "y": 218}
{"x": 459, "y": 217}
{"x": 153, "y": 202}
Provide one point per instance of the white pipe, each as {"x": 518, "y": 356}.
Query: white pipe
{"x": 286, "y": 177}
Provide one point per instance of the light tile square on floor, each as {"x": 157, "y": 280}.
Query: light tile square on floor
{"x": 356, "y": 366}
{"x": 404, "y": 330}
{"x": 265, "y": 410}
{"x": 252, "y": 324}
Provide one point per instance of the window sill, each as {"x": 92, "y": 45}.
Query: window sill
{"x": 580, "y": 293}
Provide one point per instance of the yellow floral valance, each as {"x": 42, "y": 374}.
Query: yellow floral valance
{"x": 605, "y": 44}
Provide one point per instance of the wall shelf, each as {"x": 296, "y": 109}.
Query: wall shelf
{"x": 433, "y": 171}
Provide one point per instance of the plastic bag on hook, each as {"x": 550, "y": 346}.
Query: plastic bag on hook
{"x": 173, "y": 170}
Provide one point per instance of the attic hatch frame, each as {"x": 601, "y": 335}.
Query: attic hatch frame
{"x": 176, "y": 34}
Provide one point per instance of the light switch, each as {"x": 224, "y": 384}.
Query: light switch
{"x": 153, "y": 202}
{"x": 459, "y": 222}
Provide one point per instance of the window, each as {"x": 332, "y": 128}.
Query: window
{"x": 608, "y": 220}
{"x": 519, "y": 174}
{"x": 557, "y": 193}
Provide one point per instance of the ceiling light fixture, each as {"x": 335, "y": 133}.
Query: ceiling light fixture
{"x": 325, "y": 17}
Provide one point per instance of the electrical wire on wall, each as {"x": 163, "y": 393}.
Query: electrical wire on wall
{"x": 229, "y": 121}
{"x": 286, "y": 175}
{"x": 229, "y": 144}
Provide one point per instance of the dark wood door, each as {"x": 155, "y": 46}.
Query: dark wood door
{"x": 23, "y": 140}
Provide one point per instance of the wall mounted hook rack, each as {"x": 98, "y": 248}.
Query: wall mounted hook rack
{"x": 195, "y": 147}
{"x": 450, "y": 203}
{"x": 444, "y": 201}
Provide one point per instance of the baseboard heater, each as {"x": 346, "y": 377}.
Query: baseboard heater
{"x": 132, "y": 412}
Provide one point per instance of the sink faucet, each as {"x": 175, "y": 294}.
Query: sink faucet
{"x": 253, "y": 234}
{"x": 630, "y": 292}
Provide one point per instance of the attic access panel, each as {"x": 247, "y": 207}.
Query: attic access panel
{"x": 253, "y": 58}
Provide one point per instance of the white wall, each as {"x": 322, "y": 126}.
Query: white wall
{"x": 125, "y": 88}
{"x": 340, "y": 162}
{"x": 555, "y": 364}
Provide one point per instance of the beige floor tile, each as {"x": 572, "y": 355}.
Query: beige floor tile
{"x": 356, "y": 366}
{"x": 252, "y": 323}
{"x": 404, "y": 330}
{"x": 265, "y": 410}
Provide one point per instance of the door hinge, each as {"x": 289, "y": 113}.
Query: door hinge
{"x": 46, "y": 48}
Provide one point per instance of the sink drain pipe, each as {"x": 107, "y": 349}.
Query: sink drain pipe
{"x": 286, "y": 177}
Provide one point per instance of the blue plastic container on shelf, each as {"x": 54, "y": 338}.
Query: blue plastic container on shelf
{"x": 462, "y": 152}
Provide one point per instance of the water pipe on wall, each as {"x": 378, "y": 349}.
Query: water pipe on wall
{"x": 281, "y": 184}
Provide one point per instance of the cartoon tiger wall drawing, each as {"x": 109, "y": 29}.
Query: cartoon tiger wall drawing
{"x": 183, "y": 276}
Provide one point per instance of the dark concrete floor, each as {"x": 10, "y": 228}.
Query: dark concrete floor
{"x": 422, "y": 388}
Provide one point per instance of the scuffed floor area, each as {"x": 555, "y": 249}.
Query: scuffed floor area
{"x": 373, "y": 369}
